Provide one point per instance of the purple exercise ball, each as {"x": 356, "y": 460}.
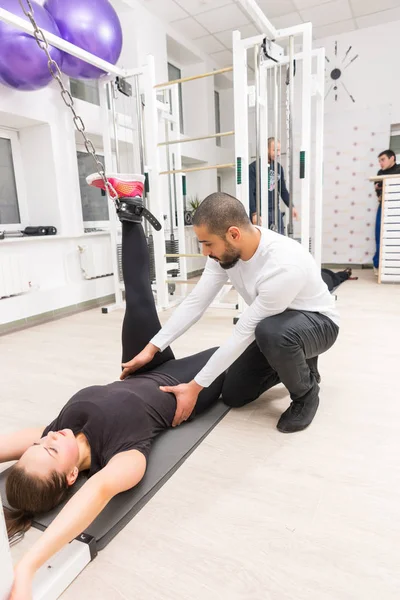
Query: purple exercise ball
{"x": 92, "y": 25}
{"x": 23, "y": 65}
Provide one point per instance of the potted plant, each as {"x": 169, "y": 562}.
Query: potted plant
{"x": 194, "y": 203}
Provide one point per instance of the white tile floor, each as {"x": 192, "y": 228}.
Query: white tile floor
{"x": 253, "y": 514}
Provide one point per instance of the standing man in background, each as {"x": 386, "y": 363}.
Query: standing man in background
{"x": 389, "y": 166}
{"x": 277, "y": 177}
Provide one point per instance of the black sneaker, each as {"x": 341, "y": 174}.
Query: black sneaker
{"x": 298, "y": 416}
{"x": 132, "y": 210}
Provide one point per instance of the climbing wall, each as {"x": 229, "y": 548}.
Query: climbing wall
{"x": 353, "y": 140}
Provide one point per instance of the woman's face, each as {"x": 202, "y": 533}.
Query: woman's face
{"x": 58, "y": 451}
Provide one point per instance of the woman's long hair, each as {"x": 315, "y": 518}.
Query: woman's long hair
{"x": 30, "y": 495}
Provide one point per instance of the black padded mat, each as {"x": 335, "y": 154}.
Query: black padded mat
{"x": 169, "y": 451}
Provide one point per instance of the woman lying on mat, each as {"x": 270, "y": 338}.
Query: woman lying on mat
{"x": 105, "y": 430}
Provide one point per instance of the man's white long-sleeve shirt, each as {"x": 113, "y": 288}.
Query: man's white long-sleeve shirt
{"x": 280, "y": 275}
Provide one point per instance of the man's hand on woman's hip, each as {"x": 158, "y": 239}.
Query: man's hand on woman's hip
{"x": 139, "y": 361}
{"x": 186, "y": 396}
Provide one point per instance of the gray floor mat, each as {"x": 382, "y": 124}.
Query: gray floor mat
{"x": 169, "y": 451}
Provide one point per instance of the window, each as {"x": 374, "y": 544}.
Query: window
{"x": 87, "y": 90}
{"x": 13, "y": 212}
{"x": 175, "y": 73}
{"x": 9, "y": 209}
{"x": 217, "y": 117}
{"x": 395, "y": 146}
{"x": 94, "y": 201}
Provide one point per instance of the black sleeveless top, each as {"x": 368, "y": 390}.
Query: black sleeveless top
{"x": 124, "y": 415}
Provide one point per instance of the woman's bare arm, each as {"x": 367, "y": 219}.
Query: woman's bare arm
{"x": 123, "y": 472}
{"x": 13, "y": 445}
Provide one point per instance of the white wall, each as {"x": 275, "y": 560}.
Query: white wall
{"x": 353, "y": 140}
{"x": 355, "y": 133}
{"x": 55, "y": 278}
{"x": 371, "y": 79}
{"x": 199, "y": 119}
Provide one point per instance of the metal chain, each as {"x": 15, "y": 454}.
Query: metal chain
{"x": 66, "y": 96}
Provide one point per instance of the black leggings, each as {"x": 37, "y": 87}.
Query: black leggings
{"x": 141, "y": 322}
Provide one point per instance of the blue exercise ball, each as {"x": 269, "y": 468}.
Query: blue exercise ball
{"x": 23, "y": 65}
{"x": 92, "y": 25}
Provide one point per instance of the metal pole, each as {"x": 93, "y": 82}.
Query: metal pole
{"x": 197, "y": 139}
{"x": 139, "y": 116}
{"x": 170, "y": 244}
{"x": 179, "y": 200}
{"x": 194, "y": 77}
{"x": 58, "y": 42}
{"x": 287, "y": 161}
{"x": 263, "y": 140}
{"x": 319, "y": 157}
{"x": 175, "y": 192}
{"x": 115, "y": 125}
{"x": 182, "y": 255}
{"x": 258, "y": 180}
{"x": 271, "y": 94}
{"x": 142, "y": 156}
{"x": 280, "y": 141}
{"x": 290, "y": 107}
{"x": 241, "y": 116}
{"x": 240, "y": 104}
{"x": 169, "y": 172}
{"x": 193, "y": 169}
{"x": 306, "y": 136}
{"x": 276, "y": 129}
{"x": 105, "y": 90}
{"x": 151, "y": 130}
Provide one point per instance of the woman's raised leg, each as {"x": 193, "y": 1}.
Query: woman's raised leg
{"x": 141, "y": 321}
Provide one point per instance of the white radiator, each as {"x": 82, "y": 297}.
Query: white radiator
{"x": 14, "y": 277}
{"x": 390, "y": 242}
{"x": 96, "y": 261}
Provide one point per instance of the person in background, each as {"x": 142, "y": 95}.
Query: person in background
{"x": 277, "y": 177}
{"x": 389, "y": 166}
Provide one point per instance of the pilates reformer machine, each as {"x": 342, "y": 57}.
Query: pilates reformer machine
{"x": 146, "y": 111}
{"x": 281, "y": 74}
{"x": 169, "y": 451}
{"x": 275, "y": 66}
{"x": 278, "y": 68}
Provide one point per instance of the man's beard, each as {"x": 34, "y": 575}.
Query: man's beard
{"x": 229, "y": 259}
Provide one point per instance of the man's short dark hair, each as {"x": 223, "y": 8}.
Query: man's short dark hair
{"x": 220, "y": 211}
{"x": 388, "y": 153}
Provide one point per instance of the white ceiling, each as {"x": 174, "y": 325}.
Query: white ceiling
{"x": 209, "y": 23}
